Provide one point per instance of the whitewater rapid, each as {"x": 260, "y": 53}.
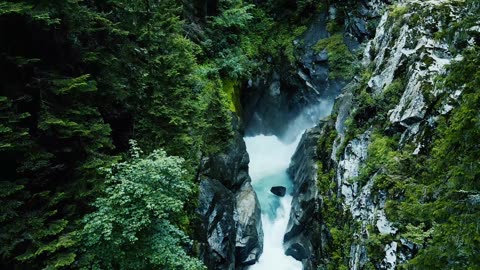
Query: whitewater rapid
{"x": 269, "y": 160}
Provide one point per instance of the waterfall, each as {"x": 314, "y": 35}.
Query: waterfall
{"x": 269, "y": 160}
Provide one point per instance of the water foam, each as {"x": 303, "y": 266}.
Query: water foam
{"x": 269, "y": 160}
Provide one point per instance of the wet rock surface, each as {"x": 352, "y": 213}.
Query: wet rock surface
{"x": 302, "y": 238}
{"x": 231, "y": 167}
{"x": 249, "y": 237}
{"x": 231, "y": 231}
{"x": 216, "y": 207}
{"x": 279, "y": 191}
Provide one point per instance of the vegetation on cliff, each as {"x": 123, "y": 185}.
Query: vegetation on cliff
{"x": 79, "y": 79}
{"x": 432, "y": 192}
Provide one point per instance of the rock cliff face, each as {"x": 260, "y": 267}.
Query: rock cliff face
{"x": 397, "y": 96}
{"x": 275, "y": 99}
{"x": 232, "y": 236}
{"x": 280, "y": 96}
{"x": 303, "y": 238}
{"x": 347, "y": 170}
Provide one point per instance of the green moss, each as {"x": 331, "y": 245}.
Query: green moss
{"x": 397, "y": 19}
{"x": 232, "y": 90}
{"x": 414, "y": 20}
{"x": 382, "y": 155}
{"x": 398, "y": 11}
{"x": 366, "y": 76}
{"x": 340, "y": 58}
{"x": 325, "y": 180}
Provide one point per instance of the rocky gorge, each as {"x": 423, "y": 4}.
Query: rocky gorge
{"x": 343, "y": 190}
{"x": 240, "y": 134}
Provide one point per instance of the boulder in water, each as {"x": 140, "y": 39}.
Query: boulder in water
{"x": 279, "y": 190}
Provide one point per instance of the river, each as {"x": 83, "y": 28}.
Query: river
{"x": 269, "y": 160}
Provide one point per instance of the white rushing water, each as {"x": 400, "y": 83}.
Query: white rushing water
{"x": 269, "y": 160}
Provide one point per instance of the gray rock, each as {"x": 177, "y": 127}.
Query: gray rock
{"x": 249, "y": 238}
{"x": 302, "y": 237}
{"x": 390, "y": 260}
{"x": 231, "y": 167}
{"x": 297, "y": 251}
{"x": 358, "y": 256}
{"x": 231, "y": 230}
{"x": 321, "y": 56}
{"x": 349, "y": 166}
{"x": 216, "y": 208}
{"x": 316, "y": 31}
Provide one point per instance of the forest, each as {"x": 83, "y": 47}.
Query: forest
{"x": 79, "y": 81}
{"x": 108, "y": 107}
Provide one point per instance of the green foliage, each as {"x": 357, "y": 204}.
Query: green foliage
{"x": 453, "y": 179}
{"x": 381, "y": 155}
{"x": 341, "y": 237}
{"x": 333, "y": 27}
{"x": 392, "y": 93}
{"x": 281, "y": 46}
{"x": 295, "y": 10}
{"x": 218, "y": 131}
{"x": 12, "y": 134}
{"x": 234, "y": 17}
{"x": 340, "y": 59}
{"x": 27, "y": 9}
{"x": 227, "y": 44}
{"x": 372, "y": 108}
{"x": 325, "y": 179}
{"x": 459, "y": 131}
{"x": 14, "y": 8}
{"x": 337, "y": 221}
{"x": 376, "y": 243}
{"x": 234, "y": 63}
{"x": 49, "y": 125}
{"x": 397, "y": 11}
{"x": 134, "y": 225}
{"x": 97, "y": 74}
{"x": 325, "y": 174}
{"x": 432, "y": 197}
{"x": 417, "y": 234}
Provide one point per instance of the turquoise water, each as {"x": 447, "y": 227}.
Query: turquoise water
{"x": 269, "y": 201}
{"x": 269, "y": 160}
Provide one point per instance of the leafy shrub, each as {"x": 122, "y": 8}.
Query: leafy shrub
{"x": 135, "y": 224}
